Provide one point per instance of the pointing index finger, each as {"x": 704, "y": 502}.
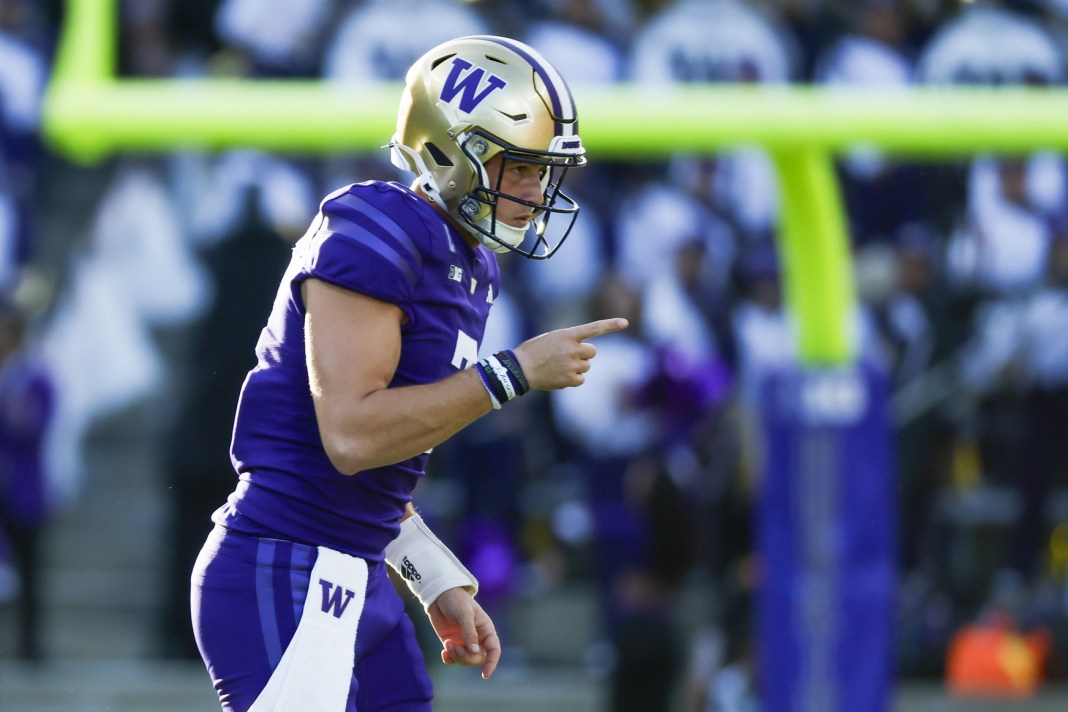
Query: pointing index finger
{"x": 600, "y": 328}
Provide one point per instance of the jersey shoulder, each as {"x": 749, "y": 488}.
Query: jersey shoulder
{"x": 388, "y": 208}
{"x": 371, "y": 237}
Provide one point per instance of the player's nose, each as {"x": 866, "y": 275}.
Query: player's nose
{"x": 530, "y": 189}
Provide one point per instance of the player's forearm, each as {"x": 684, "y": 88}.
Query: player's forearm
{"x": 394, "y": 424}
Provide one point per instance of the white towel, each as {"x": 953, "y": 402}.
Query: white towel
{"x": 316, "y": 668}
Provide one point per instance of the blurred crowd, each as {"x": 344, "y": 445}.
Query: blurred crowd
{"x": 642, "y": 482}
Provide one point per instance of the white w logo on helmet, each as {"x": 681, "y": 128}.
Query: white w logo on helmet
{"x": 467, "y": 85}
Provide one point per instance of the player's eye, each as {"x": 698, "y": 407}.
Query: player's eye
{"x": 526, "y": 169}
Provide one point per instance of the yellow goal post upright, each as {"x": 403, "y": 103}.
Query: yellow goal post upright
{"x": 89, "y": 113}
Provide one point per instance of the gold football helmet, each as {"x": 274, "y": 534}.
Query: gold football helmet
{"x": 472, "y": 98}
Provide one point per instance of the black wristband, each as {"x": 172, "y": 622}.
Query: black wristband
{"x": 515, "y": 371}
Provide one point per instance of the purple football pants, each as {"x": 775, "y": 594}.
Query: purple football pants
{"x": 247, "y": 598}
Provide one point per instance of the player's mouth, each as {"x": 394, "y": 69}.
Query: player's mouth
{"x": 519, "y": 220}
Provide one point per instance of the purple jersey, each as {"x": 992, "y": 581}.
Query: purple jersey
{"x": 27, "y": 406}
{"x": 382, "y": 240}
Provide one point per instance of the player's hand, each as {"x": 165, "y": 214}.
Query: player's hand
{"x": 468, "y": 636}
{"x": 558, "y": 359}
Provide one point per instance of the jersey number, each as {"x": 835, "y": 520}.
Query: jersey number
{"x": 466, "y": 352}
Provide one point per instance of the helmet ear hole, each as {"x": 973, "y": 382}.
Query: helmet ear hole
{"x": 437, "y": 154}
{"x": 470, "y": 207}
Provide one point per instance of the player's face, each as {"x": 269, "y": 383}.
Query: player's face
{"x": 521, "y": 180}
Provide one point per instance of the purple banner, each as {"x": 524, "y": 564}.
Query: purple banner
{"x": 826, "y": 533}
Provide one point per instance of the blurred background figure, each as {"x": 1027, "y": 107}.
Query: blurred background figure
{"x": 642, "y": 650}
{"x": 721, "y": 41}
{"x": 277, "y": 38}
{"x": 881, "y": 194}
{"x": 991, "y": 44}
{"x": 27, "y": 406}
{"x": 588, "y": 36}
{"x": 133, "y": 274}
{"x": 381, "y": 39}
{"x": 24, "y": 67}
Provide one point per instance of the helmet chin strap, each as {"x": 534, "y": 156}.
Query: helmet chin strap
{"x": 510, "y": 236}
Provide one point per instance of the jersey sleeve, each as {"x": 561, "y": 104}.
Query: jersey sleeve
{"x": 361, "y": 242}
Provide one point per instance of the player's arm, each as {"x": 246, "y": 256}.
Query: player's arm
{"x": 353, "y": 347}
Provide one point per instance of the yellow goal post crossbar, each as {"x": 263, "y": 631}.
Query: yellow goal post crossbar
{"x": 90, "y": 113}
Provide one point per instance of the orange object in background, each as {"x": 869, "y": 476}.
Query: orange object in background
{"x": 995, "y": 659}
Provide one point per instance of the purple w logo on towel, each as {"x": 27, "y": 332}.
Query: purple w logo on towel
{"x": 332, "y": 598}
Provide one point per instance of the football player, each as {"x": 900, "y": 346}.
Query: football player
{"x": 368, "y": 360}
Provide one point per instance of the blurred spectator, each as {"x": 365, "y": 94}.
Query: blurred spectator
{"x": 1001, "y": 245}
{"x": 558, "y": 293}
{"x": 645, "y": 531}
{"x": 881, "y": 194}
{"x": 604, "y": 449}
{"x": 692, "y": 392}
{"x": 280, "y": 37}
{"x": 713, "y": 42}
{"x": 136, "y": 273}
{"x": 27, "y": 401}
{"x": 377, "y": 40}
{"x": 628, "y": 359}
{"x": 763, "y": 334}
{"x": 146, "y": 49}
{"x": 583, "y": 35}
{"x": 686, "y": 305}
{"x": 1043, "y": 452}
{"x": 913, "y": 314}
{"x": 658, "y": 216}
{"x": 710, "y": 41}
{"x": 23, "y": 72}
{"x": 991, "y": 46}
{"x": 650, "y": 644}
{"x": 1021, "y": 345}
